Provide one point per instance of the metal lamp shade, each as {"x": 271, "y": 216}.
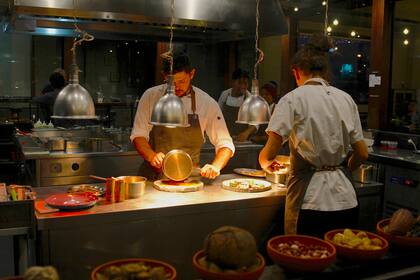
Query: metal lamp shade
{"x": 255, "y": 110}
{"x": 74, "y": 102}
{"x": 169, "y": 111}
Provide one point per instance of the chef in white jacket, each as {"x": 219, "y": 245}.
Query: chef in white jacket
{"x": 321, "y": 122}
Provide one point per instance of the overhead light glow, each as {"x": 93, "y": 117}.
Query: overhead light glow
{"x": 406, "y": 42}
{"x": 296, "y": 9}
{"x": 359, "y": 55}
{"x": 329, "y": 29}
{"x": 353, "y": 33}
{"x": 406, "y": 31}
{"x": 336, "y": 22}
{"x": 324, "y": 3}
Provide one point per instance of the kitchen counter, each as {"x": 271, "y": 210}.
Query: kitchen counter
{"x": 400, "y": 157}
{"x": 166, "y": 226}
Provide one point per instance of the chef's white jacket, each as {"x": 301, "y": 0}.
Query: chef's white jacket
{"x": 321, "y": 122}
{"x": 210, "y": 116}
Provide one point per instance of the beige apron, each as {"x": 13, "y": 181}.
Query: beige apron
{"x": 164, "y": 139}
{"x": 230, "y": 114}
{"x": 301, "y": 172}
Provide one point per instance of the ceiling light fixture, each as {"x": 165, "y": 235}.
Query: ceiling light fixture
{"x": 74, "y": 101}
{"x": 169, "y": 111}
{"x": 255, "y": 109}
{"x": 406, "y": 31}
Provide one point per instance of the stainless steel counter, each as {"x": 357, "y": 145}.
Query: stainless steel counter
{"x": 400, "y": 157}
{"x": 166, "y": 226}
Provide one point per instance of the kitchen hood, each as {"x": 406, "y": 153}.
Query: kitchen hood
{"x": 196, "y": 20}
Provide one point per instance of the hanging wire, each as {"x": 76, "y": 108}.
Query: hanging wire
{"x": 326, "y": 18}
{"x": 169, "y": 54}
{"x": 84, "y": 35}
{"x": 258, "y": 51}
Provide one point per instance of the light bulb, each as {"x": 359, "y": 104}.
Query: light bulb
{"x": 353, "y": 33}
{"x": 329, "y": 29}
{"x": 296, "y": 9}
{"x": 336, "y": 22}
{"x": 406, "y": 31}
{"x": 406, "y": 42}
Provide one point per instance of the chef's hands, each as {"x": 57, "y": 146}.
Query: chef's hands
{"x": 157, "y": 160}
{"x": 271, "y": 166}
{"x": 210, "y": 171}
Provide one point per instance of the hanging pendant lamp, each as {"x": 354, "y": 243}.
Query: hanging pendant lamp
{"x": 255, "y": 109}
{"x": 74, "y": 101}
{"x": 170, "y": 111}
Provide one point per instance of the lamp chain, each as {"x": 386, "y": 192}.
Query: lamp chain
{"x": 326, "y": 18}
{"x": 258, "y": 51}
{"x": 84, "y": 35}
{"x": 169, "y": 54}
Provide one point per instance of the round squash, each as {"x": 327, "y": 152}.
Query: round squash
{"x": 231, "y": 247}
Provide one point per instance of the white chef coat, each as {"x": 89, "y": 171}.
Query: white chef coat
{"x": 211, "y": 118}
{"x": 321, "y": 122}
{"x": 227, "y": 98}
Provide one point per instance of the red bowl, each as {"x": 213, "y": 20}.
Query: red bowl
{"x": 296, "y": 263}
{"x": 358, "y": 254}
{"x": 169, "y": 269}
{"x": 210, "y": 275}
{"x": 399, "y": 241}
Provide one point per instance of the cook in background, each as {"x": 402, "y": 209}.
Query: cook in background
{"x": 49, "y": 87}
{"x": 321, "y": 122}
{"x": 269, "y": 93}
{"x": 230, "y": 100}
{"x": 46, "y": 101}
{"x": 153, "y": 142}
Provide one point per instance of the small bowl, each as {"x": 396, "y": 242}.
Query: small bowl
{"x": 298, "y": 264}
{"x": 358, "y": 254}
{"x": 210, "y": 275}
{"x": 169, "y": 269}
{"x": 399, "y": 241}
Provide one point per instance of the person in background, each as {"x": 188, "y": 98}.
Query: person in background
{"x": 204, "y": 115}
{"x": 46, "y": 101}
{"x": 230, "y": 100}
{"x": 269, "y": 93}
{"x": 49, "y": 87}
{"x": 412, "y": 118}
{"x": 321, "y": 122}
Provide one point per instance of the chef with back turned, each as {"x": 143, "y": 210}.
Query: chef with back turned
{"x": 204, "y": 116}
{"x": 321, "y": 122}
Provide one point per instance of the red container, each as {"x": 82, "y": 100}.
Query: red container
{"x": 296, "y": 263}
{"x": 358, "y": 254}
{"x": 210, "y": 275}
{"x": 399, "y": 241}
{"x": 169, "y": 269}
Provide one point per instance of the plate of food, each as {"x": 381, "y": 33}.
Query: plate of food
{"x": 80, "y": 189}
{"x": 246, "y": 185}
{"x": 250, "y": 172}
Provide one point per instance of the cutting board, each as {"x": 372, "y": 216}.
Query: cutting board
{"x": 189, "y": 185}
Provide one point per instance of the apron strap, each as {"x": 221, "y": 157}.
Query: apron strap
{"x": 193, "y": 104}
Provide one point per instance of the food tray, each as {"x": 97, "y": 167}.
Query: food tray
{"x": 265, "y": 186}
{"x": 250, "y": 172}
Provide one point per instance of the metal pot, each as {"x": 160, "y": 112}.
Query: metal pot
{"x": 363, "y": 174}
{"x": 56, "y": 144}
{"x": 136, "y": 185}
{"x": 277, "y": 178}
{"x": 96, "y": 144}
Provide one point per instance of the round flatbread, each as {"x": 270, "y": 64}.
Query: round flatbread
{"x": 188, "y": 185}
{"x": 246, "y": 185}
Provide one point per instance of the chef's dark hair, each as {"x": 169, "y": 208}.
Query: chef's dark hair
{"x": 313, "y": 57}
{"x": 181, "y": 63}
{"x": 239, "y": 74}
{"x": 57, "y": 80}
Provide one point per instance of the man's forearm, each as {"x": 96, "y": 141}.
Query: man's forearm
{"x": 222, "y": 157}
{"x": 143, "y": 148}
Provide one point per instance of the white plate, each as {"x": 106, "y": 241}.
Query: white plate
{"x": 265, "y": 185}
{"x": 248, "y": 172}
